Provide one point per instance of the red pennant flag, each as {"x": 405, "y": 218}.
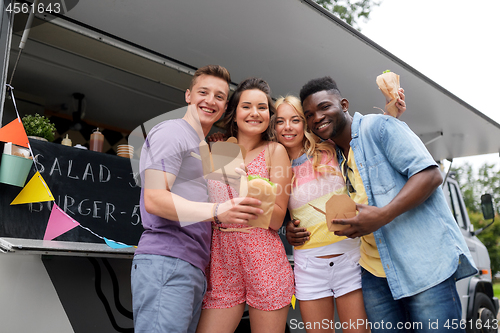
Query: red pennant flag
{"x": 59, "y": 223}
{"x": 14, "y": 132}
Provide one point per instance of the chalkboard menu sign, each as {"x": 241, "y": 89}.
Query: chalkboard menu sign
{"x": 97, "y": 190}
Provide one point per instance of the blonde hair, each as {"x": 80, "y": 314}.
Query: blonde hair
{"x": 314, "y": 148}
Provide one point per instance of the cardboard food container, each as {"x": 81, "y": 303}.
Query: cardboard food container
{"x": 388, "y": 83}
{"x": 339, "y": 206}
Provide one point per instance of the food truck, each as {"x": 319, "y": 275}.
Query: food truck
{"x": 114, "y": 65}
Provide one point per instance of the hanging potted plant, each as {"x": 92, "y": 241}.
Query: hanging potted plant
{"x": 39, "y": 127}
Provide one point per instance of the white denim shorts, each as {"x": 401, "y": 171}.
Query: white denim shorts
{"x": 317, "y": 278}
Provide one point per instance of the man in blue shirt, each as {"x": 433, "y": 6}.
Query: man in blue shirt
{"x": 412, "y": 251}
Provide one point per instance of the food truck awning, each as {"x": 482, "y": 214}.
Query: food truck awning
{"x": 286, "y": 42}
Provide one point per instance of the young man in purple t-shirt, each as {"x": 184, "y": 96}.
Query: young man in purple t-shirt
{"x": 168, "y": 280}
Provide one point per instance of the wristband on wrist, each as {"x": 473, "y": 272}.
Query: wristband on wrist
{"x": 216, "y": 219}
{"x": 213, "y": 211}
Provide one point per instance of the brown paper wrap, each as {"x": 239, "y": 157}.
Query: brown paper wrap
{"x": 388, "y": 84}
{"x": 266, "y": 193}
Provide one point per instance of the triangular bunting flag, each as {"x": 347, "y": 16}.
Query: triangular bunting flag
{"x": 35, "y": 191}
{"x": 59, "y": 223}
{"x": 115, "y": 245}
{"x": 14, "y": 132}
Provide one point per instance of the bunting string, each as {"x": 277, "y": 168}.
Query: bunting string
{"x": 110, "y": 243}
{"x": 11, "y": 90}
{"x": 106, "y": 240}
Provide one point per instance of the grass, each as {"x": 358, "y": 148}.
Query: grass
{"x": 496, "y": 289}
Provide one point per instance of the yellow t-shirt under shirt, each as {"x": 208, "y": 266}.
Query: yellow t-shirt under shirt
{"x": 370, "y": 258}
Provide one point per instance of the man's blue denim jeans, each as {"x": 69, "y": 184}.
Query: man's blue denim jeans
{"x": 166, "y": 294}
{"x": 434, "y": 310}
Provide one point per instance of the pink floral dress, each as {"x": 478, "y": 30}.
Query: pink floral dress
{"x": 250, "y": 265}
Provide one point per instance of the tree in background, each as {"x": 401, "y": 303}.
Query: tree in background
{"x": 349, "y": 11}
{"x": 473, "y": 186}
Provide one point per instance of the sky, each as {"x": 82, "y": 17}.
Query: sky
{"x": 466, "y": 33}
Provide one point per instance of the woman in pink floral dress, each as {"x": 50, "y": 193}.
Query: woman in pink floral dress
{"x": 249, "y": 265}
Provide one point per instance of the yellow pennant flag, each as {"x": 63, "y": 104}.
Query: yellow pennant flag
{"x": 35, "y": 191}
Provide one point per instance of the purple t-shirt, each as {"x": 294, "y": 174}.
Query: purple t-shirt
{"x": 168, "y": 148}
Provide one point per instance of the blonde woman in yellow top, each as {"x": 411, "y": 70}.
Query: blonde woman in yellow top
{"x": 326, "y": 265}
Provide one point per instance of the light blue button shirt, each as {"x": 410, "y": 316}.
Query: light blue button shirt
{"x": 424, "y": 246}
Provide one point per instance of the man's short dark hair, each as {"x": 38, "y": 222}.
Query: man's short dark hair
{"x": 320, "y": 84}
